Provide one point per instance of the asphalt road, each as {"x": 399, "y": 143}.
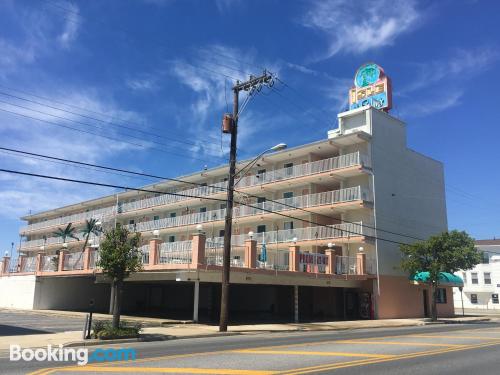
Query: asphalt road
{"x": 436, "y": 349}
{"x": 13, "y": 323}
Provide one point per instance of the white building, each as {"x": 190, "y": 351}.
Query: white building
{"x": 482, "y": 283}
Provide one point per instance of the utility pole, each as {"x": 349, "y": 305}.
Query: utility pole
{"x": 250, "y": 85}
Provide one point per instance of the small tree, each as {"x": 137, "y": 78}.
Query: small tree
{"x": 119, "y": 256}
{"x": 445, "y": 252}
{"x": 67, "y": 232}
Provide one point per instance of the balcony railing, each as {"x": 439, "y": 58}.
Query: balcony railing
{"x": 73, "y": 261}
{"x": 301, "y": 170}
{"x": 94, "y": 240}
{"x": 320, "y": 166}
{"x": 346, "y": 265}
{"x": 278, "y": 260}
{"x": 144, "y": 250}
{"x": 303, "y": 201}
{"x": 214, "y": 253}
{"x": 80, "y": 217}
{"x": 50, "y": 263}
{"x": 28, "y": 264}
{"x": 175, "y": 252}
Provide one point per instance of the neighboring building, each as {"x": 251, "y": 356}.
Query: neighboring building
{"x": 357, "y": 194}
{"x": 481, "y": 284}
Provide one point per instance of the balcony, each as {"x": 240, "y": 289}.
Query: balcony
{"x": 328, "y": 199}
{"x": 302, "y": 170}
{"x": 52, "y": 241}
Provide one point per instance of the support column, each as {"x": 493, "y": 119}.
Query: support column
{"x": 196, "y": 300}
{"x": 154, "y": 246}
{"x": 332, "y": 262}
{"x": 198, "y": 250}
{"x": 296, "y": 303}
{"x": 86, "y": 258}
{"x": 39, "y": 262}
{"x": 294, "y": 260}
{"x": 62, "y": 255}
{"x": 250, "y": 253}
{"x": 5, "y": 265}
{"x": 361, "y": 263}
{"x": 21, "y": 260}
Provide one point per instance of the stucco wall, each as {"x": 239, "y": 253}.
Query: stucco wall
{"x": 17, "y": 291}
{"x": 400, "y": 299}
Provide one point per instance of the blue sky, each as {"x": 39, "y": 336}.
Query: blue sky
{"x": 164, "y": 67}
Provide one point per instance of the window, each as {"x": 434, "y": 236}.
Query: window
{"x": 441, "y": 295}
{"x": 131, "y": 222}
{"x": 260, "y": 172}
{"x": 485, "y": 258}
{"x": 288, "y": 169}
{"x": 203, "y": 209}
{"x": 473, "y": 298}
{"x": 473, "y": 277}
{"x": 171, "y": 238}
{"x": 494, "y": 298}
{"x": 288, "y": 225}
{"x": 288, "y": 194}
{"x": 156, "y": 218}
{"x": 221, "y": 233}
{"x": 173, "y": 214}
{"x": 464, "y": 277}
{"x": 261, "y": 199}
{"x": 223, "y": 206}
{"x": 261, "y": 228}
{"x": 487, "y": 278}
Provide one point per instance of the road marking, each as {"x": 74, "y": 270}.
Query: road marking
{"x": 453, "y": 337}
{"x": 167, "y": 370}
{"x": 326, "y": 354}
{"x": 400, "y": 343}
{"x": 335, "y": 366}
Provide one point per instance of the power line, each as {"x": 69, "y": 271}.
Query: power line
{"x": 102, "y": 135}
{"x": 97, "y": 119}
{"x": 198, "y": 184}
{"x": 183, "y": 195}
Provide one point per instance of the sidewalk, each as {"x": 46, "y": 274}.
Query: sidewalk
{"x": 182, "y": 331}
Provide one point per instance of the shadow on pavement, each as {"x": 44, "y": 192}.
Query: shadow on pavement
{"x": 18, "y": 331}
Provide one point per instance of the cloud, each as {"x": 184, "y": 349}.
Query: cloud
{"x": 460, "y": 66}
{"x": 225, "y": 5}
{"x": 360, "y": 26}
{"x": 142, "y": 84}
{"x": 437, "y": 103}
{"x": 72, "y": 25}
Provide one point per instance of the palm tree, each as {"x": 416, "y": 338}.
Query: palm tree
{"x": 91, "y": 227}
{"x": 69, "y": 231}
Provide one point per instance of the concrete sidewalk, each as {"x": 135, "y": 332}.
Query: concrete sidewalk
{"x": 181, "y": 331}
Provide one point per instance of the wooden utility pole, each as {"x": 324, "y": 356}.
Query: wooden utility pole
{"x": 252, "y": 83}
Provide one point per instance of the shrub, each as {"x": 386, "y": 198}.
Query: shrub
{"x": 104, "y": 330}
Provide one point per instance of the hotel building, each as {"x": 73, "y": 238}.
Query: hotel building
{"x": 330, "y": 215}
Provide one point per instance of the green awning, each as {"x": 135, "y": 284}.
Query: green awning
{"x": 445, "y": 279}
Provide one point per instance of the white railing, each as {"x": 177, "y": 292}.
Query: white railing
{"x": 50, "y": 263}
{"x": 94, "y": 258}
{"x": 175, "y": 252}
{"x": 98, "y": 214}
{"x": 14, "y": 265}
{"x": 300, "y": 170}
{"x": 346, "y": 265}
{"x": 303, "y": 201}
{"x": 278, "y": 260}
{"x": 144, "y": 250}
{"x": 214, "y": 253}
{"x": 312, "y": 262}
{"x": 94, "y": 240}
{"x": 73, "y": 261}
{"x": 29, "y": 264}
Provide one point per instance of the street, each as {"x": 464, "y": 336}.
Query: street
{"x": 443, "y": 349}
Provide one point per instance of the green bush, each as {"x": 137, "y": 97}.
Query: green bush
{"x": 104, "y": 330}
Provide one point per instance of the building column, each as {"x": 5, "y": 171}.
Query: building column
{"x": 296, "y": 303}
{"x": 39, "y": 262}
{"x": 198, "y": 249}
{"x": 361, "y": 263}
{"x": 250, "y": 253}
{"x": 332, "y": 261}
{"x": 86, "y": 258}
{"x": 154, "y": 246}
{"x": 21, "y": 260}
{"x": 62, "y": 255}
{"x": 5, "y": 265}
{"x": 196, "y": 300}
{"x": 294, "y": 260}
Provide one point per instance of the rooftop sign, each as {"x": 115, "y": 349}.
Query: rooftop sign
{"x": 371, "y": 87}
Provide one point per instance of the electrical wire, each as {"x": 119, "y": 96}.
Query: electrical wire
{"x": 184, "y": 195}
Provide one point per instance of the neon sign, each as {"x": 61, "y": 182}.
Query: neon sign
{"x": 371, "y": 87}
